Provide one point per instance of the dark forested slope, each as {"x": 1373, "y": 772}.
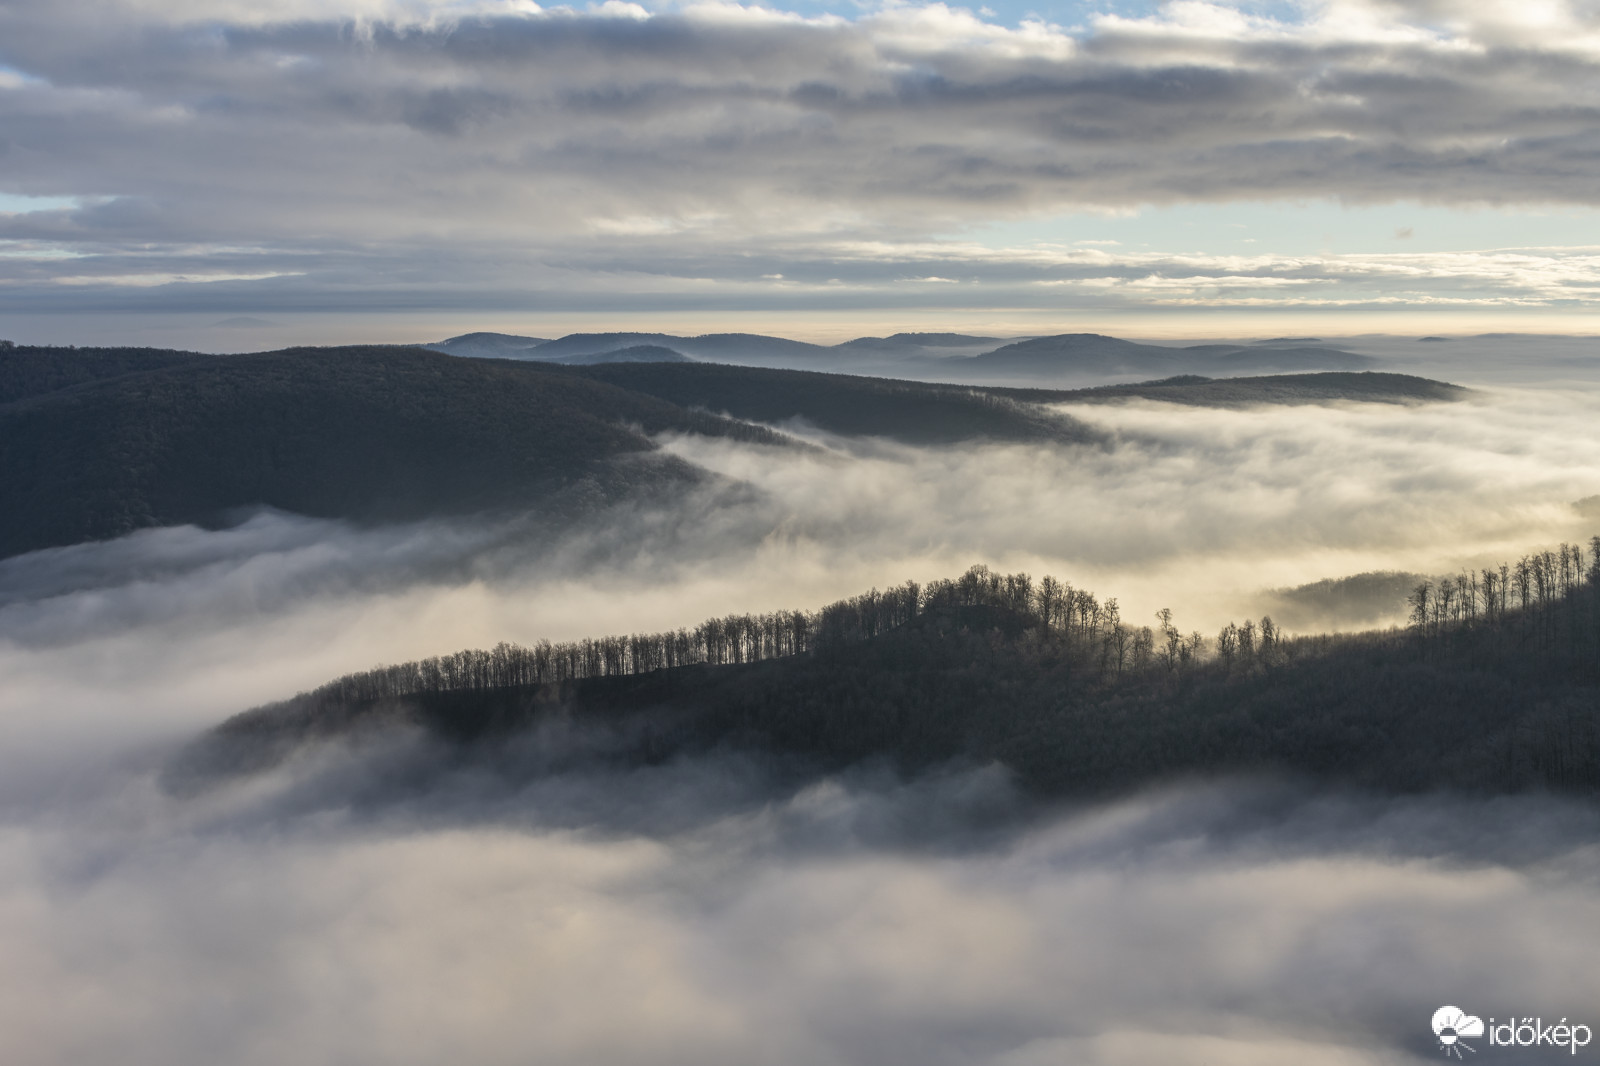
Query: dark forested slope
{"x": 908, "y": 411}
{"x": 358, "y": 433}
{"x": 95, "y": 443}
{"x": 1367, "y": 386}
{"x": 1092, "y": 353}
{"x": 31, "y": 371}
{"x": 1496, "y": 686}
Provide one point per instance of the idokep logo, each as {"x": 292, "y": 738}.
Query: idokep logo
{"x": 1453, "y": 1026}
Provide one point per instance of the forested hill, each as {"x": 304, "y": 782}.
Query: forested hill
{"x": 1494, "y": 687}
{"x": 1367, "y": 386}
{"x": 939, "y": 414}
{"x": 1091, "y": 353}
{"x": 846, "y": 404}
{"x": 368, "y": 434}
{"x": 26, "y": 371}
{"x": 95, "y": 443}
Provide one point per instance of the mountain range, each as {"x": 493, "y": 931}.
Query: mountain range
{"x": 942, "y": 356}
{"x": 96, "y": 443}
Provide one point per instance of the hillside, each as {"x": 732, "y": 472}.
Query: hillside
{"x": 1498, "y": 693}
{"x": 846, "y": 404}
{"x": 723, "y": 347}
{"x": 368, "y": 434}
{"x": 639, "y": 353}
{"x": 29, "y": 371}
{"x": 923, "y": 413}
{"x": 1093, "y": 354}
{"x": 99, "y": 442}
{"x": 1368, "y": 386}
{"x": 488, "y": 345}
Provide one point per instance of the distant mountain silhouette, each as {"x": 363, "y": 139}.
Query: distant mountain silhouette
{"x": 1092, "y": 353}
{"x": 639, "y": 353}
{"x": 937, "y": 356}
{"x": 923, "y": 413}
{"x": 718, "y": 347}
{"x": 846, "y": 404}
{"x": 488, "y": 345}
{"x": 1368, "y": 386}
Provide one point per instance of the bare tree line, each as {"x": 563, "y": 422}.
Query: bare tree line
{"x": 1536, "y": 598}
{"x": 1074, "y": 619}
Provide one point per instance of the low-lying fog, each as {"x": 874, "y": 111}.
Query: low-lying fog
{"x": 859, "y": 920}
{"x": 852, "y": 920}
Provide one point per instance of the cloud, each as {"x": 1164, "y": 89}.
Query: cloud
{"x": 537, "y": 143}
{"x": 1245, "y": 923}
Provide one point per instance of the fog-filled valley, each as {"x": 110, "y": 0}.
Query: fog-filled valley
{"x": 203, "y": 535}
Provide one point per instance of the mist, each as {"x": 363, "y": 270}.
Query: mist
{"x": 854, "y": 919}
{"x": 390, "y": 902}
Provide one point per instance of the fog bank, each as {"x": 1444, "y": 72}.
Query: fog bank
{"x": 1236, "y": 923}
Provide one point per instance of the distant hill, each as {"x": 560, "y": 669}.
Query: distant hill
{"x": 1368, "y": 386}
{"x": 1092, "y": 353}
{"x": 371, "y": 434}
{"x": 639, "y": 353}
{"x": 733, "y": 348}
{"x": 908, "y": 411}
{"x": 743, "y": 348}
{"x": 1357, "y": 601}
{"x": 922, "y": 413}
{"x": 922, "y": 340}
{"x": 935, "y": 356}
{"x": 488, "y": 345}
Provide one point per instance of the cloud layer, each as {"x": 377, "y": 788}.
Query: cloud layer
{"x": 372, "y": 155}
{"x": 1240, "y": 924}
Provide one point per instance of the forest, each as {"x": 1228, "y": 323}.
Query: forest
{"x": 1494, "y": 685}
{"x": 96, "y": 443}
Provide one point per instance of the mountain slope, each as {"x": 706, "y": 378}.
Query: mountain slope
{"x": 1091, "y": 353}
{"x": 32, "y": 371}
{"x": 1368, "y": 386}
{"x": 639, "y": 353}
{"x": 487, "y": 345}
{"x": 721, "y": 347}
{"x": 356, "y": 433}
{"x": 846, "y": 404}
{"x": 994, "y": 667}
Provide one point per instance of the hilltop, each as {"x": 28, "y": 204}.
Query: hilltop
{"x": 1490, "y": 690}
{"x": 367, "y": 434}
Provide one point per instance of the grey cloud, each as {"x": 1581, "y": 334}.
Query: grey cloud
{"x": 393, "y": 140}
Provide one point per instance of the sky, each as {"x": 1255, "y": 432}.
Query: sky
{"x": 250, "y": 174}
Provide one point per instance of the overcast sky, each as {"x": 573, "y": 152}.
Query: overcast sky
{"x": 399, "y": 169}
